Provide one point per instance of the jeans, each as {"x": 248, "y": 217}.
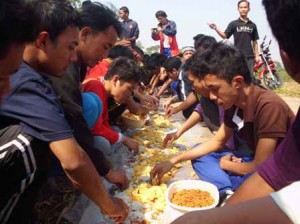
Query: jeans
{"x": 109, "y": 150}
{"x": 250, "y": 63}
{"x": 167, "y": 52}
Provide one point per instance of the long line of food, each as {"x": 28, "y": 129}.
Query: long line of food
{"x": 148, "y": 201}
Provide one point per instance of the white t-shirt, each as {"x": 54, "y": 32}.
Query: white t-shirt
{"x": 288, "y": 200}
{"x": 166, "y": 39}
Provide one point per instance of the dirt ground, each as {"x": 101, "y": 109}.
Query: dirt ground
{"x": 291, "y": 88}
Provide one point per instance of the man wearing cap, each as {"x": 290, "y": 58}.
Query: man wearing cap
{"x": 187, "y": 52}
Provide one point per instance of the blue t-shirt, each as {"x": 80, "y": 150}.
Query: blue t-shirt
{"x": 130, "y": 29}
{"x": 33, "y": 102}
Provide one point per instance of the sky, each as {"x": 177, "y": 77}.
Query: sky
{"x": 192, "y": 16}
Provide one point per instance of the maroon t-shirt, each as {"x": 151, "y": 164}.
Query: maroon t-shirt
{"x": 266, "y": 116}
{"x": 283, "y": 167}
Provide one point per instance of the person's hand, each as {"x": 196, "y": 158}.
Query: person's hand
{"x": 123, "y": 42}
{"x": 225, "y": 160}
{"x": 151, "y": 99}
{"x": 163, "y": 73}
{"x": 159, "y": 170}
{"x": 170, "y": 137}
{"x": 132, "y": 144}
{"x": 151, "y": 91}
{"x": 212, "y": 26}
{"x": 143, "y": 110}
{"x": 159, "y": 29}
{"x": 154, "y": 30}
{"x": 171, "y": 110}
{"x": 151, "y": 102}
{"x": 166, "y": 105}
{"x": 118, "y": 212}
{"x": 236, "y": 159}
{"x": 117, "y": 177}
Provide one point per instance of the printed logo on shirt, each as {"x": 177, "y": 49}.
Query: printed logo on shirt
{"x": 244, "y": 29}
{"x": 131, "y": 26}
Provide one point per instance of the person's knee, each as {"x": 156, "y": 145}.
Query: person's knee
{"x": 102, "y": 144}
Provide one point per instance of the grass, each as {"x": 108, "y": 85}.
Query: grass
{"x": 290, "y": 88}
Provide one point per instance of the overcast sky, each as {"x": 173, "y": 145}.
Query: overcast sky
{"x": 192, "y": 16}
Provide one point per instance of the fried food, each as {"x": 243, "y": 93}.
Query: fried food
{"x": 192, "y": 198}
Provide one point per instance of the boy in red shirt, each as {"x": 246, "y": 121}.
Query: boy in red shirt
{"x": 119, "y": 83}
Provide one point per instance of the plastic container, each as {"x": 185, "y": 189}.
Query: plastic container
{"x": 173, "y": 211}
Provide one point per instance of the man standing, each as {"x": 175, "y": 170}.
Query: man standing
{"x": 245, "y": 34}
{"x": 166, "y": 34}
{"x": 130, "y": 27}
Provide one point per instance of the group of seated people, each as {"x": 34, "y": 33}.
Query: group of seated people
{"x": 62, "y": 98}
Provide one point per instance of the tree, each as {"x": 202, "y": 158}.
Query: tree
{"x": 75, "y": 3}
{"x": 152, "y": 49}
{"x": 140, "y": 44}
{"x": 282, "y": 72}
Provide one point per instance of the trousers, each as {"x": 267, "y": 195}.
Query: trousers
{"x": 208, "y": 169}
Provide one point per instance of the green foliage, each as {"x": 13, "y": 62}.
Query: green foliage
{"x": 75, "y": 3}
{"x": 290, "y": 87}
{"x": 152, "y": 49}
{"x": 282, "y": 72}
{"x": 140, "y": 44}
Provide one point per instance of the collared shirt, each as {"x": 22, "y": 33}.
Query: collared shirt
{"x": 243, "y": 33}
{"x": 33, "y": 102}
{"x": 130, "y": 29}
{"x": 266, "y": 116}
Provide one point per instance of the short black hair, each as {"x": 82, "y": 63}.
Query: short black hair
{"x": 99, "y": 18}
{"x": 138, "y": 50}
{"x": 85, "y": 3}
{"x": 205, "y": 42}
{"x": 241, "y": 1}
{"x": 198, "y": 37}
{"x": 172, "y": 63}
{"x": 284, "y": 19}
{"x": 55, "y": 16}
{"x": 125, "y": 9}
{"x": 161, "y": 13}
{"x": 156, "y": 61}
{"x": 18, "y": 24}
{"x": 222, "y": 60}
{"x": 126, "y": 69}
{"x": 120, "y": 51}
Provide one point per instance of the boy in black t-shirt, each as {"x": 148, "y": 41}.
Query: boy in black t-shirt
{"x": 245, "y": 34}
